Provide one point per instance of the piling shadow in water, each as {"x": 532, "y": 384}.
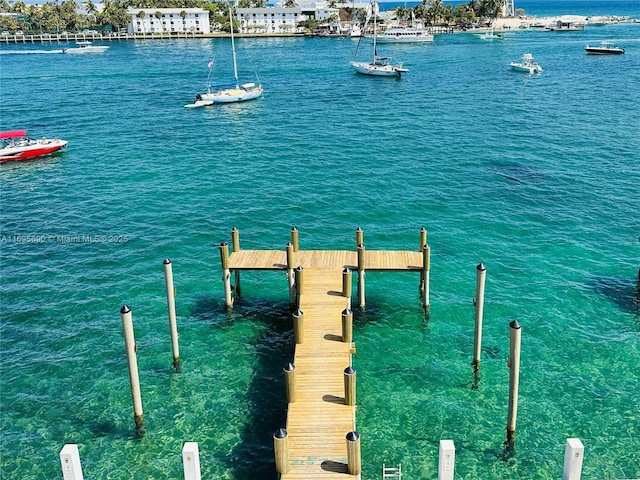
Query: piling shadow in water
{"x": 624, "y": 292}
{"x": 253, "y": 456}
{"x": 517, "y": 173}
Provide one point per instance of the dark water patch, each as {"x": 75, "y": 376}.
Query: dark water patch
{"x": 266, "y": 395}
{"x": 624, "y": 292}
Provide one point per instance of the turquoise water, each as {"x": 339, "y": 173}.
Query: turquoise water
{"x": 537, "y": 177}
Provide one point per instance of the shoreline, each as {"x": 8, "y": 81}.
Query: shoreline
{"x": 528, "y": 21}
{"x": 500, "y": 24}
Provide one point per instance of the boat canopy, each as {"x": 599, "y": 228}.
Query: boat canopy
{"x": 13, "y": 134}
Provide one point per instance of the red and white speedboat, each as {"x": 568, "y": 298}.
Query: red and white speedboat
{"x": 16, "y": 145}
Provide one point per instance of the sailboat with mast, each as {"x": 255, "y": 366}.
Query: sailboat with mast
{"x": 378, "y": 66}
{"x": 231, "y": 92}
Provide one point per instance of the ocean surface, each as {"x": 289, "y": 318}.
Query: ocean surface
{"x": 535, "y": 176}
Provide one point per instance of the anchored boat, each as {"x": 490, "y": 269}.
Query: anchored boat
{"x": 605, "y": 48}
{"x": 379, "y": 66}
{"x": 229, "y": 93}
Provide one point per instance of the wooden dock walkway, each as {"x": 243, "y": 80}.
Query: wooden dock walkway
{"x": 318, "y": 421}
{"x": 319, "y": 415}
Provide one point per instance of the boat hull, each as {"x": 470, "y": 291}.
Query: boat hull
{"x": 525, "y": 69}
{"x": 378, "y": 70}
{"x": 427, "y": 38}
{"x": 34, "y": 150}
{"x": 230, "y": 95}
{"x": 83, "y": 50}
{"x": 603, "y": 51}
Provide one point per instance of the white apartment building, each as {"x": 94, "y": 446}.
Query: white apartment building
{"x": 268, "y": 20}
{"x": 168, "y": 20}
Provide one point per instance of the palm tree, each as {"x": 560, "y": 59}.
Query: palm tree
{"x": 141, "y": 15}
{"x": 158, "y": 15}
{"x": 183, "y": 15}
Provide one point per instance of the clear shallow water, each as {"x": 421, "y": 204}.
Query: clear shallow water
{"x": 535, "y": 176}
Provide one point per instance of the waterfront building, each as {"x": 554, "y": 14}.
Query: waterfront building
{"x": 168, "y": 20}
{"x": 269, "y": 19}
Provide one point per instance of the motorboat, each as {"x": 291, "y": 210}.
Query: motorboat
{"x": 405, "y": 34}
{"x": 379, "y": 66}
{"x": 526, "y": 64}
{"x": 605, "y": 48}
{"x": 230, "y": 92}
{"x": 86, "y": 47}
{"x": 16, "y": 145}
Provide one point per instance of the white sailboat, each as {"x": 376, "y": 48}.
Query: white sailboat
{"x": 229, "y": 93}
{"x": 379, "y": 66}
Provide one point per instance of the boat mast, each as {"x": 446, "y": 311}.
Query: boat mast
{"x": 233, "y": 47}
{"x": 374, "y": 5}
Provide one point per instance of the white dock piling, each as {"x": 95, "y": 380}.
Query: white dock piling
{"x": 226, "y": 274}
{"x": 514, "y": 379}
{"x": 573, "y": 456}
{"x": 446, "y": 460}
{"x": 426, "y": 267}
{"x": 191, "y": 461}
{"x": 481, "y": 274}
{"x": 130, "y": 345}
{"x": 70, "y": 461}
{"x": 171, "y": 307}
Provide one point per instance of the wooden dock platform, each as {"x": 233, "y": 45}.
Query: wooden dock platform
{"x": 319, "y": 414}
{"x": 375, "y": 260}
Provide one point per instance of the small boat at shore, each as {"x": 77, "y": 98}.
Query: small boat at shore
{"x": 16, "y": 145}
{"x": 605, "y": 48}
{"x": 526, "y": 64}
{"x": 86, "y": 47}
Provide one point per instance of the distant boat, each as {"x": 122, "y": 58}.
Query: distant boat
{"x": 229, "y": 93}
{"x": 605, "y": 48}
{"x": 405, "y": 34}
{"x": 86, "y": 47}
{"x": 16, "y": 145}
{"x": 379, "y": 66}
{"x": 527, "y": 64}
{"x": 489, "y": 34}
{"x": 561, "y": 26}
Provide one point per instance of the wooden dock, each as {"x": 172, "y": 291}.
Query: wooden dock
{"x": 319, "y": 417}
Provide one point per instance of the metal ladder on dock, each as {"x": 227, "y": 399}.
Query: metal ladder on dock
{"x": 392, "y": 472}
